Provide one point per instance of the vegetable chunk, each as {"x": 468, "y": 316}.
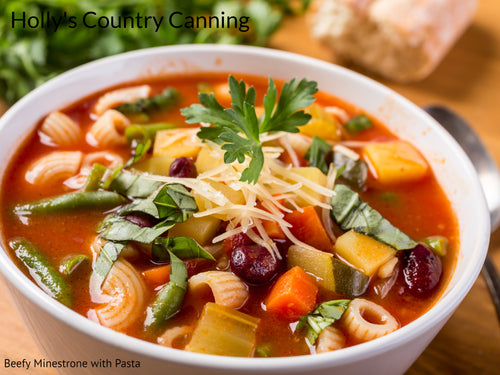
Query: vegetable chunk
{"x": 307, "y": 227}
{"x": 293, "y": 295}
{"x": 224, "y": 331}
{"x": 363, "y": 252}
{"x": 396, "y": 162}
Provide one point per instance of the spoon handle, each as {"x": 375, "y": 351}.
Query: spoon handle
{"x": 484, "y": 164}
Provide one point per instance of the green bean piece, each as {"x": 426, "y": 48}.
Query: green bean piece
{"x": 95, "y": 177}
{"x": 144, "y": 132}
{"x": 69, "y": 265}
{"x": 168, "y": 302}
{"x": 72, "y": 201}
{"x": 44, "y": 273}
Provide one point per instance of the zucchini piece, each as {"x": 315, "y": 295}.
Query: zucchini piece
{"x": 349, "y": 281}
{"x": 330, "y": 273}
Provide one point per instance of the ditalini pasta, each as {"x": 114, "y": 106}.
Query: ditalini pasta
{"x": 191, "y": 212}
{"x": 365, "y": 320}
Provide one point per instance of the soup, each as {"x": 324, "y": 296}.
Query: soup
{"x": 228, "y": 216}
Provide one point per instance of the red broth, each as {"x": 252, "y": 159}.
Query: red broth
{"x": 419, "y": 209}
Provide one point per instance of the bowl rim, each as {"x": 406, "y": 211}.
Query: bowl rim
{"x": 443, "y": 307}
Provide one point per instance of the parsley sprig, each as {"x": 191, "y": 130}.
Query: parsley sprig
{"x": 238, "y": 129}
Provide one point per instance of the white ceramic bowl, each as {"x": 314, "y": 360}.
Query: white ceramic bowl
{"x": 66, "y": 336}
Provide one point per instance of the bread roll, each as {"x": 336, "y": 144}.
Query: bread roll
{"x": 402, "y": 40}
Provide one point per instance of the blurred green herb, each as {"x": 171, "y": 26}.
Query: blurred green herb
{"x": 29, "y": 57}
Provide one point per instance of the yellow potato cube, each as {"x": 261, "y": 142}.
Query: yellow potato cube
{"x": 200, "y": 229}
{"x": 363, "y": 252}
{"x": 313, "y": 174}
{"x": 175, "y": 143}
{"x": 395, "y": 162}
{"x": 322, "y": 124}
{"x": 207, "y": 159}
{"x": 317, "y": 263}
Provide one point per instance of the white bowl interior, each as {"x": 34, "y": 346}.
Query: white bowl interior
{"x": 451, "y": 166}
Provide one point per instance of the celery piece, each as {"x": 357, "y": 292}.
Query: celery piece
{"x": 224, "y": 331}
{"x": 438, "y": 244}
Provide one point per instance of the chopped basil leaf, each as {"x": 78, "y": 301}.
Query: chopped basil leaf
{"x": 117, "y": 228}
{"x": 175, "y": 203}
{"x": 354, "y": 172}
{"x": 134, "y": 185}
{"x": 183, "y": 247}
{"x": 324, "y": 315}
{"x": 349, "y": 212}
{"x": 358, "y": 124}
{"x": 107, "y": 257}
{"x": 317, "y": 153}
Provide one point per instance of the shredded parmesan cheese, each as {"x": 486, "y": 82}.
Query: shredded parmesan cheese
{"x": 277, "y": 189}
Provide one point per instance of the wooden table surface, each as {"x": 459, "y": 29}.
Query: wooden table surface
{"x": 468, "y": 81}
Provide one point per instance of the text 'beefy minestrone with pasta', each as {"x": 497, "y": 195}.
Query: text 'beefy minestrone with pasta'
{"x": 231, "y": 216}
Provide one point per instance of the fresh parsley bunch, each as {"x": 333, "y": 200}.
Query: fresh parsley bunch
{"x": 29, "y": 57}
{"x": 237, "y": 129}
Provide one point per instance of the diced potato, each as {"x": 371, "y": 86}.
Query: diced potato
{"x": 155, "y": 165}
{"x": 224, "y": 331}
{"x": 313, "y": 174}
{"x": 234, "y": 196}
{"x": 200, "y": 229}
{"x": 363, "y": 252}
{"x": 207, "y": 160}
{"x": 315, "y": 262}
{"x": 396, "y": 162}
{"x": 322, "y": 124}
{"x": 175, "y": 143}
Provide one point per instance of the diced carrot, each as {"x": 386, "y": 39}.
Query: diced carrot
{"x": 293, "y": 295}
{"x": 308, "y": 228}
{"x": 273, "y": 229}
{"x": 157, "y": 276}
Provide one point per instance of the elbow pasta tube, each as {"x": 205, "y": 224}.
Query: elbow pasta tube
{"x": 329, "y": 339}
{"x": 127, "y": 291}
{"x": 365, "y": 320}
{"x": 60, "y": 129}
{"x": 114, "y": 98}
{"x": 54, "y": 167}
{"x": 227, "y": 288}
{"x": 109, "y": 129}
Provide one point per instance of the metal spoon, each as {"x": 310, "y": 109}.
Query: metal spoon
{"x": 489, "y": 177}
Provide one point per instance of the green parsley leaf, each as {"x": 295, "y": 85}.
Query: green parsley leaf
{"x": 237, "y": 129}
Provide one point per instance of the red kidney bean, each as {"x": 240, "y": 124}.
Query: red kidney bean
{"x": 422, "y": 270}
{"x": 253, "y": 263}
{"x": 183, "y": 167}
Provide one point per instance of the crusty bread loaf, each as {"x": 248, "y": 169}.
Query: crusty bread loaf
{"x": 403, "y": 40}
